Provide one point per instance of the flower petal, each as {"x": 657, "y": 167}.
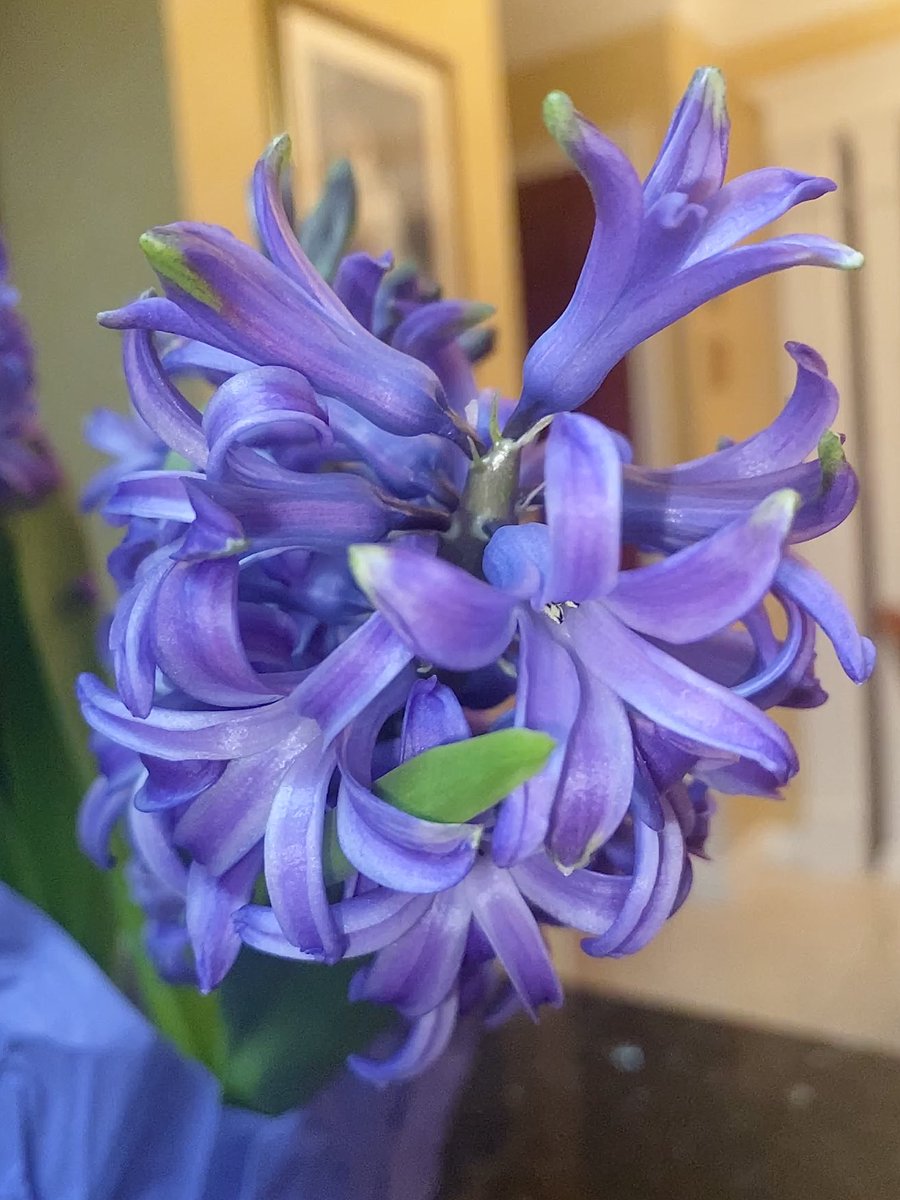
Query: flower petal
{"x": 695, "y": 149}
{"x": 547, "y": 699}
{"x": 643, "y": 879}
{"x": 418, "y": 971}
{"x": 707, "y": 586}
{"x": 293, "y": 855}
{"x": 426, "y": 1042}
{"x": 585, "y": 900}
{"x": 794, "y": 434}
{"x": 557, "y": 371}
{"x": 157, "y": 401}
{"x": 583, "y": 501}
{"x": 596, "y": 778}
{"x": 672, "y": 695}
{"x": 507, "y": 922}
{"x": 210, "y": 904}
{"x": 447, "y": 616}
{"x": 815, "y": 594}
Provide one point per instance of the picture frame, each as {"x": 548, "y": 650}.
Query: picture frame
{"x": 350, "y": 94}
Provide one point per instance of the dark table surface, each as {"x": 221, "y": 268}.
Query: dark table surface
{"x": 605, "y": 1099}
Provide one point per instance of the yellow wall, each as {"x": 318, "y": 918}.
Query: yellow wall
{"x": 221, "y": 64}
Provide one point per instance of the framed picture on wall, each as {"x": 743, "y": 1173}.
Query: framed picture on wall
{"x": 346, "y": 94}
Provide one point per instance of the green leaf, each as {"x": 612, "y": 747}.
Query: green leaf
{"x": 456, "y": 782}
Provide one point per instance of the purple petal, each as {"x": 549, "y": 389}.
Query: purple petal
{"x": 357, "y": 281}
{"x": 100, "y": 812}
{"x": 242, "y": 303}
{"x": 596, "y": 778}
{"x": 547, "y": 699}
{"x": 433, "y": 717}
{"x": 650, "y": 310}
{"x": 398, "y": 850}
{"x": 672, "y": 695}
{"x": 643, "y": 880}
{"x": 131, "y": 635}
{"x": 555, "y": 377}
{"x": 369, "y": 922}
{"x": 426, "y": 1042}
{"x": 418, "y": 971}
{"x": 210, "y": 905}
{"x": 580, "y": 899}
{"x": 583, "y": 501}
{"x": 157, "y": 401}
{"x": 176, "y": 734}
{"x": 749, "y": 202}
{"x": 695, "y": 149}
{"x": 665, "y": 890}
{"x": 198, "y": 639}
{"x": 707, "y": 586}
{"x": 214, "y": 532}
{"x": 813, "y": 593}
{"x": 517, "y": 559}
{"x": 508, "y": 924}
{"x": 196, "y": 358}
{"x": 794, "y": 434}
{"x": 293, "y": 854}
{"x": 169, "y": 784}
{"x": 157, "y": 495}
{"x": 155, "y": 850}
{"x": 274, "y": 228}
{"x": 264, "y": 405}
{"x": 447, "y": 616}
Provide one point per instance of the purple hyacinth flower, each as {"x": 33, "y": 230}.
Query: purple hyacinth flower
{"x": 662, "y": 249}
{"x": 28, "y": 469}
{"x": 583, "y": 628}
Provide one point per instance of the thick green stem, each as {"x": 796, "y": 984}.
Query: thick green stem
{"x": 488, "y": 502}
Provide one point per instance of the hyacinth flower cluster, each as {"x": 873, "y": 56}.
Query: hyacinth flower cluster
{"x": 28, "y": 469}
{"x": 353, "y": 565}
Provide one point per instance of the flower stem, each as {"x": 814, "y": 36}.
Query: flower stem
{"x": 488, "y": 501}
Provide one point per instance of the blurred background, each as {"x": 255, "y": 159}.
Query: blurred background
{"x": 120, "y": 114}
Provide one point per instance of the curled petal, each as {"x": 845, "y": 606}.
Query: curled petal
{"x": 664, "y": 895}
{"x": 447, "y": 616}
{"x": 707, "y": 586}
{"x": 673, "y": 696}
{"x": 433, "y": 717}
{"x": 517, "y": 559}
{"x": 791, "y": 437}
{"x": 293, "y": 855}
{"x": 262, "y": 406}
{"x": 210, "y": 904}
{"x": 580, "y": 899}
{"x": 642, "y": 882}
{"x": 198, "y": 639}
{"x": 356, "y": 283}
{"x": 813, "y": 593}
{"x": 426, "y": 1042}
{"x": 419, "y": 970}
{"x": 100, "y": 812}
{"x": 369, "y": 922}
{"x": 157, "y": 401}
{"x": 398, "y": 850}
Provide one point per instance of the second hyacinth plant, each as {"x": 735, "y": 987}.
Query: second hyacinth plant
{"x": 383, "y": 690}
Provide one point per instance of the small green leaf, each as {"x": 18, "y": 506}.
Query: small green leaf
{"x": 456, "y": 782}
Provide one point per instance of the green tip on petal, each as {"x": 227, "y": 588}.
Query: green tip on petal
{"x": 167, "y": 259}
{"x": 363, "y": 559}
{"x": 781, "y": 506}
{"x": 851, "y": 260}
{"x": 831, "y": 456}
{"x": 712, "y": 81}
{"x": 278, "y": 151}
{"x": 559, "y": 117}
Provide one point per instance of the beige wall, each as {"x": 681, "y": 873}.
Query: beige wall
{"x": 222, "y": 76}
{"x": 85, "y": 167}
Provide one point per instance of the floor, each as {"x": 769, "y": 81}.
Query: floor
{"x": 625, "y": 1102}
